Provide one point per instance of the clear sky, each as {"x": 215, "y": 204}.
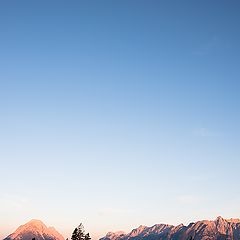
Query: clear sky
{"x": 118, "y": 113}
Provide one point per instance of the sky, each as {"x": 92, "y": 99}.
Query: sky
{"x": 118, "y": 113}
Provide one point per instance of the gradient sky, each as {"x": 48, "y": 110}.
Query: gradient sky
{"x": 118, "y": 113}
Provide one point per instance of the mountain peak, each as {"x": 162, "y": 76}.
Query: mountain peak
{"x": 35, "y": 229}
{"x": 233, "y": 220}
{"x": 35, "y": 221}
{"x": 219, "y": 218}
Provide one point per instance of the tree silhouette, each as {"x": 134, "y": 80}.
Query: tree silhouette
{"x": 87, "y": 237}
{"x": 79, "y": 233}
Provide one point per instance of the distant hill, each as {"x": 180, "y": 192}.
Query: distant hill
{"x": 219, "y": 229}
{"x": 35, "y": 229}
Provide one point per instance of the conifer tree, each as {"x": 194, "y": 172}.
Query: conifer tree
{"x": 87, "y": 237}
{"x": 79, "y": 233}
{"x": 75, "y": 234}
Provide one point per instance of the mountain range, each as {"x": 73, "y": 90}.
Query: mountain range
{"x": 218, "y": 229}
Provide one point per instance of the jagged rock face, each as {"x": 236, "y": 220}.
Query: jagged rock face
{"x": 35, "y": 229}
{"x": 219, "y": 229}
{"x": 114, "y": 236}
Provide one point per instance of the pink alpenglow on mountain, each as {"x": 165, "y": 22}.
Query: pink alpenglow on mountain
{"x": 115, "y": 235}
{"x": 219, "y": 229}
{"x": 35, "y": 229}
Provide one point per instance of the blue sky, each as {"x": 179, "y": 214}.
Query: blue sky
{"x": 118, "y": 113}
